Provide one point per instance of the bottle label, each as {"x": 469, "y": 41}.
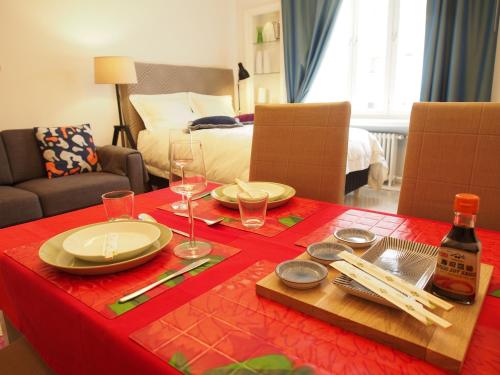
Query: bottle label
{"x": 456, "y": 271}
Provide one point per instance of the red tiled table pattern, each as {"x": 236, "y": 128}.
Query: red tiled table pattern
{"x": 231, "y": 325}
{"x": 380, "y": 224}
{"x": 74, "y": 339}
{"x": 219, "y": 328}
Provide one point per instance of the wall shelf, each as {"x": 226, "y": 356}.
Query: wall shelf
{"x": 264, "y": 61}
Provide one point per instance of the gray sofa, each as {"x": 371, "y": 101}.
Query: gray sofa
{"x": 27, "y": 194}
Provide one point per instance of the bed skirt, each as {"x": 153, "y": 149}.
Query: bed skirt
{"x": 355, "y": 180}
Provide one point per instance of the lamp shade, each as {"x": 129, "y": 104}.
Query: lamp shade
{"x": 114, "y": 69}
{"x": 242, "y": 72}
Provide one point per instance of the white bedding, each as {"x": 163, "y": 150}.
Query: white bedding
{"x": 227, "y": 153}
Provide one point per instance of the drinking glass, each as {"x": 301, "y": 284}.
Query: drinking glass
{"x": 253, "y": 208}
{"x": 178, "y": 135}
{"x": 188, "y": 177}
{"x": 119, "y": 205}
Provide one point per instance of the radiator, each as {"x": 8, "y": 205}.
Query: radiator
{"x": 390, "y": 143}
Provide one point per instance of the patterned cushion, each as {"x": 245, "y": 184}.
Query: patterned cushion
{"x": 67, "y": 150}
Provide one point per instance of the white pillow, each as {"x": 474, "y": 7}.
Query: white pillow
{"x": 211, "y": 105}
{"x": 163, "y": 111}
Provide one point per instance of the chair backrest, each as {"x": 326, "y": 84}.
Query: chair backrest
{"x": 452, "y": 148}
{"x": 304, "y": 146}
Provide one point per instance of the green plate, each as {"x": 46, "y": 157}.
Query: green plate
{"x": 52, "y": 253}
{"x": 219, "y": 196}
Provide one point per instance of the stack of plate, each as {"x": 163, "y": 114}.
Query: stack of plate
{"x": 102, "y": 248}
{"x": 279, "y": 194}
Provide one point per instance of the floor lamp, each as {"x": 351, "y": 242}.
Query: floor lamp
{"x": 242, "y": 75}
{"x": 117, "y": 70}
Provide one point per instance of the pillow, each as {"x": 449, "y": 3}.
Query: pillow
{"x": 163, "y": 111}
{"x": 211, "y": 105}
{"x": 213, "y": 122}
{"x": 247, "y": 117}
{"x": 67, "y": 150}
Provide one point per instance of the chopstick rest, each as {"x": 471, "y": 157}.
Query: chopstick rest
{"x": 110, "y": 245}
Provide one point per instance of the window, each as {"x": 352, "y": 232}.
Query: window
{"x": 374, "y": 58}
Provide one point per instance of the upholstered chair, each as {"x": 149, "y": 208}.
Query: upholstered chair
{"x": 304, "y": 146}
{"x": 452, "y": 148}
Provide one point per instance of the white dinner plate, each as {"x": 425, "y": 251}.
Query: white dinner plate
{"x": 52, "y": 253}
{"x": 232, "y": 204}
{"x": 275, "y": 191}
{"x": 111, "y": 241}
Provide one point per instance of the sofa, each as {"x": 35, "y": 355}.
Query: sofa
{"x": 27, "y": 194}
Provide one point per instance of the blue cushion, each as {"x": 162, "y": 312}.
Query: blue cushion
{"x": 215, "y": 120}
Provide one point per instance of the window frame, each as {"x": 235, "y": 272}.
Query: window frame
{"x": 391, "y": 60}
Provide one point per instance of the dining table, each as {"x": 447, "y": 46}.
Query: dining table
{"x": 74, "y": 338}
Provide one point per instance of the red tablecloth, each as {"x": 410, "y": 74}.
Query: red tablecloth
{"x": 74, "y": 339}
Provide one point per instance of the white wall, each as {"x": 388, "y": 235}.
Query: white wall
{"x": 47, "y": 49}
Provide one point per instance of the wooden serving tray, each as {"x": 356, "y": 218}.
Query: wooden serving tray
{"x": 445, "y": 348}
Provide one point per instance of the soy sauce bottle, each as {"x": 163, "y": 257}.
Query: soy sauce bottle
{"x": 458, "y": 262}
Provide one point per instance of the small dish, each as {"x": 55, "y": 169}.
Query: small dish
{"x": 112, "y": 241}
{"x": 326, "y": 252}
{"x": 301, "y": 274}
{"x": 355, "y": 237}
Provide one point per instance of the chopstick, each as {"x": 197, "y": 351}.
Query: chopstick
{"x": 397, "y": 283}
{"x": 390, "y": 294}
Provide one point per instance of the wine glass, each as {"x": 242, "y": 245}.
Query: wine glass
{"x": 178, "y": 135}
{"x": 188, "y": 177}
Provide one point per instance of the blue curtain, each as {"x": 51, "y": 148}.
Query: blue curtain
{"x": 307, "y": 26}
{"x": 459, "y": 52}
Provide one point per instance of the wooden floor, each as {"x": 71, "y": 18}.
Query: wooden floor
{"x": 377, "y": 200}
{"x": 17, "y": 356}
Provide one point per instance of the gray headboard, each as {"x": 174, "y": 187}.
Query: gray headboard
{"x": 166, "y": 79}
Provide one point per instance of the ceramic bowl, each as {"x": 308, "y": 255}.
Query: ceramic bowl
{"x": 111, "y": 241}
{"x": 326, "y": 252}
{"x": 355, "y": 237}
{"x": 301, "y": 274}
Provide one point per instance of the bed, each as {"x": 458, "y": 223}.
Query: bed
{"x": 227, "y": 151}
